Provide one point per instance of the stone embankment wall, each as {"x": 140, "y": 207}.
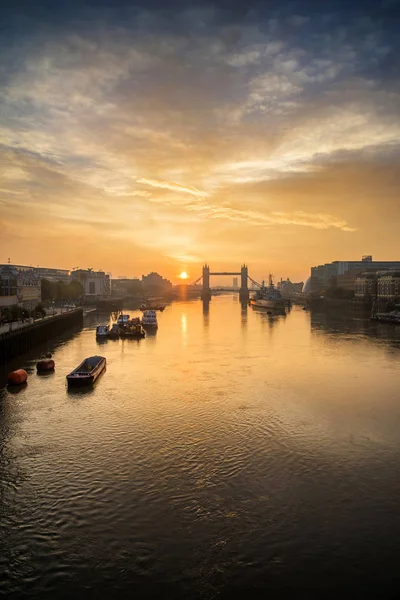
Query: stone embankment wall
{"x": 14, "y": 343}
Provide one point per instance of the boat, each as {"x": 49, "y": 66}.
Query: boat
{"x": 159, "y": 307}
{"x": 102, "y": 331}
{"x": 387, "y": 317}
{"x": 149, "y": 305}
{"x": 133, "y": 331}
{"x": 123, "y": 319}
{"x": 87, "y": 372}
{"x": 135, "y": 321}
{"x": 149, "y": 319}
{"x": 114, "y": 332}
{"x": 268, "y": 296}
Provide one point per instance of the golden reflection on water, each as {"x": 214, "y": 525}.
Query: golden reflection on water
{"x": 227, "y": 428}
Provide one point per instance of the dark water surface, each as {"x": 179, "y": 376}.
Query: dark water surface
{"x": 232, "y": 454}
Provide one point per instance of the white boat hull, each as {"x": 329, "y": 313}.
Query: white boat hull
{"x": 267, "y": 303}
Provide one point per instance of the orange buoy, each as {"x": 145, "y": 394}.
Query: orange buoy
{"x": 45, "y": 365}
{"x": 17, "y": 377}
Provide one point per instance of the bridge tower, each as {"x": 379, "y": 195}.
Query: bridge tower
{"x": 244, "y": 290}
{"x": 206, "y": 292}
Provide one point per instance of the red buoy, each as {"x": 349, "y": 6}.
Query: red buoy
{"x": 17, "y": 377}
{"x": 45, "y": 365}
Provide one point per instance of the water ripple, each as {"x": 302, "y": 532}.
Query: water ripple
{"x": 243, "y": 457}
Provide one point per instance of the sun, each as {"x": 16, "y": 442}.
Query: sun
{"x": 183, "y": 275}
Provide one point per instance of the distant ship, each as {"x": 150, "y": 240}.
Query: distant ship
{"x": 149, "y": 319}
{"x": 268, "y": 296}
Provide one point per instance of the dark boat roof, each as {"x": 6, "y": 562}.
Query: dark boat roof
{"x": 87, "y": 365}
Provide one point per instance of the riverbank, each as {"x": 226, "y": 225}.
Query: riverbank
{"x": 344, "y": 305}
{"x": 26, "y": 336}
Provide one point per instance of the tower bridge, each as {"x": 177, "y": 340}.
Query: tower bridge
{"x": 244, "y": 278}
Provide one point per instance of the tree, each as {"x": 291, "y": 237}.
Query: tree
{"x": 47, "y": 289}
{"x": 75, "y": 289}
{"x": 15, "y": 312}
{"x": 39, "y": 310}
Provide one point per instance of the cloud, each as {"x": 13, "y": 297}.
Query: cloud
{"x": 175, "y": 187}
{"x": 256, "y": 218}
{"x": 204, "y": 129}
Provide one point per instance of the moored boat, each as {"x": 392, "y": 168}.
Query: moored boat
{"x": 152, "y": 306}
{"x": 268, "y": 296}
{"x": 122, "y": 319}
{"x": 149, "y": 319}
{"x": 87, "y": 372}
{"x": 387, "y": 317}
{"x": 102, "y": 331}
{"x": 114, "y": 332}
{"x": 134, "y": 321}
{"x": 134, "y": 331}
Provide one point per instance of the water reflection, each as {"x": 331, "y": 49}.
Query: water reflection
{"x": 243, "y": 313}
{"x": 206, "y": 313}
{"x": 336, "y": 324}
{"x": 269, "y": 317}
{"x": 45, "y": 374}
{"x": 151, "y": 332}
{"x": 218, "y": 460}
{"x": 87, "y": 390}
{"x": 17, "y": 389}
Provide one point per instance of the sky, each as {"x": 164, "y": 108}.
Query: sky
{"x": 161, "y": 135}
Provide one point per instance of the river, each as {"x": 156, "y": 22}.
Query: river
{"x": 233, "y": 453}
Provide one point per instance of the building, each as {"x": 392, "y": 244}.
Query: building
{"x": 123, "y": 286}
{"x": 366, "y": 286}
{"x": 325, "y": 276}
{"x": 53, "y": 274}
{"x": 388, "y": 286}
{"x": 154, "y": 284}
{"x": 288, "y": 289}
{"x": 96, "y": 284}
{"x": 43, "y": 272}
{"x": 347, "y": 281}
{"x": 19, "y": 286}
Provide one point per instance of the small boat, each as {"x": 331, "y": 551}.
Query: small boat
{"x": 152, "y": 306}
{"x": 114, "y": 332}
{"x": 135, "y": 332}
{"x": 387, "y": 317}
{"x": 87, "y": 372}
{"x": 45, "y": 365}
{"x": 102, "y": 331}
{"x": 135, "y": 321}
{"x": 149, "y": 319}
{"x": 122, "y": 319}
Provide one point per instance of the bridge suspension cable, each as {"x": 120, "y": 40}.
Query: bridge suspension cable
{"x": 253, "y": 281}
{"x": 197, "y": 280}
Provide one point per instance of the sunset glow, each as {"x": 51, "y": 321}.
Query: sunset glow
{"x": 183, "y": 275}
{"x": 265, "y": 136}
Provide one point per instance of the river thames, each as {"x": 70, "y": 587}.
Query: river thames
{"x": 231, "y": 454}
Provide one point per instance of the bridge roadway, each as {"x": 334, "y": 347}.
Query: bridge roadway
{"x": 226, "y": 273}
